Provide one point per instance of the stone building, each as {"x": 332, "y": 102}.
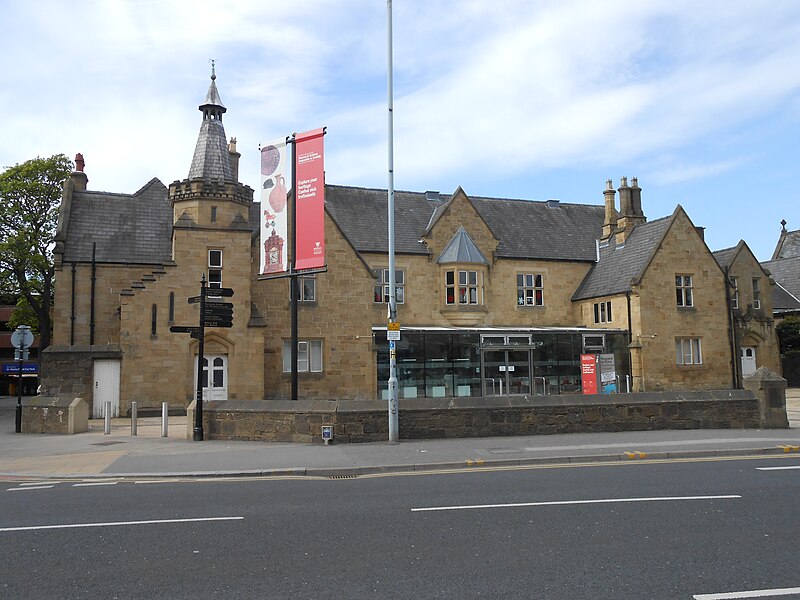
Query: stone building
{"x": 495, "y": 296}
{"x": 750, "y": 307}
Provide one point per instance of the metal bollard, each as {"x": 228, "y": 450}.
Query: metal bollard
{"x": 164, "y": 419}
{"x": 133, "y": 417}
{"x": 107, "y": 425}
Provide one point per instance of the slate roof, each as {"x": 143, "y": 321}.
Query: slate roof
{"x": 788, "y": 245}
{"x": 619, "y": 265}
{"x": 211, "y": 158}
{"x": 725, "y": 257}
{"x": 524, "y": 228}
{"x": 786, "y": 271}
{"x": 783, "y": 300}
{"x": 128, "y": 228}
{"x": 461, "y": 249}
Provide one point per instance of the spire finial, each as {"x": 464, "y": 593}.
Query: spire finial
{"x": 213, "y": 74}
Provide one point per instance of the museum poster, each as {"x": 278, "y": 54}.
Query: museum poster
{"x": 310, "y": 196}
{"x": 589, "y": 373}
{"x": 275, "y": 182}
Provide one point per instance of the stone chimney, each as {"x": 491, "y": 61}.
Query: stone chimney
{"x": 631, "y": 215}
{"x": 235, "y": 156}
{"x": 78, "y": 177}
{"x": 610, "y": 221}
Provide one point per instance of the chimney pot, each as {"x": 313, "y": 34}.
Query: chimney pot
{"x": 79, "y": 162}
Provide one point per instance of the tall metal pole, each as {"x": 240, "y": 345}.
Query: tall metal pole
{"x": 292, "y": 265}
{"x": 18, "y": 415}
{"x": 393, "y": 411}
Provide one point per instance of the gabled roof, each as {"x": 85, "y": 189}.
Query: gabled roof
{"x": 788, "y": 244}
{"x": 127, "y": 228}
{"x": 725, "y": 257}
{"x": 620, "y": 265}
{"x": 524, "y": 228}
{"x": 461, "y": 249}
{"x": 786, "y": 271}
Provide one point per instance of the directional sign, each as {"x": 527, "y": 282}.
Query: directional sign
{"x": 220, "y": 305}
{"x": 225, "y": 292}
{"x": 194, "y": 331}
{"x": 219, "y": 313}
{"x": 194, "y": 300}
{"x": 212, "y": 321}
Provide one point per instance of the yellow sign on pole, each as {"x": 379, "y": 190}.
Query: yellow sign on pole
{"x": 393, "y": 332}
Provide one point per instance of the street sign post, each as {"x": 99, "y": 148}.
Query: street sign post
{"x": 213, "y": 313}
{"x": 21, "y": 339}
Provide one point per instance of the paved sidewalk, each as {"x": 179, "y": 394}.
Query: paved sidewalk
{"x": 96, "y": 455}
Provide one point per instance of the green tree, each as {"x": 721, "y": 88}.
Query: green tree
{"x": 24, "y": 315}
{"x": 30, "y": 194}
{"x": 789, "y": 336}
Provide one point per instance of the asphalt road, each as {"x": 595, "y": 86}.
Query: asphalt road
{"x": 641, "y": 530}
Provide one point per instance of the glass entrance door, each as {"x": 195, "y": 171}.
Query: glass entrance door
{"x": 506, "y": 372}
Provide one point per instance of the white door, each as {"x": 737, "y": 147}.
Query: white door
{"x": 748, "y": 361}
{"x": 106, "y": 388}
{"x": 215, "y": 376}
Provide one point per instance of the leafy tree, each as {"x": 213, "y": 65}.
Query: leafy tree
{"x": 789, "y": 336}
{"x": 24, "y": 315}
{"x": 29, "y": 198}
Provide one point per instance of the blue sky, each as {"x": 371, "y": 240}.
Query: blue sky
{"x": 506, "y": 98}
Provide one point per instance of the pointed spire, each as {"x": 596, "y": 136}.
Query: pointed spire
{"x": 211, "y": 157}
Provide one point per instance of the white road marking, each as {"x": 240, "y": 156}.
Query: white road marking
{"x": 117, "y": 523}
{"x": 36, "y": 483}
{"x": 94, "y": 483}
{"x": 750, "y": 594}
{"x": 776, "y": 468}
{"x": 665, "y": 444}
{"x": 30, "y": 487}
{"x": 573, "y": 502}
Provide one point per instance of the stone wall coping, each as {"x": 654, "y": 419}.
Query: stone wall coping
{"x": 499, "y": 402}
{"x": 51, "y": 402}
{"x": 97, "y": 351}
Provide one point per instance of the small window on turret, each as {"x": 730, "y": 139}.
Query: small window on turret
{"x": 213, "y": 214}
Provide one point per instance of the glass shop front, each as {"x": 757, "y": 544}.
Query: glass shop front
{"x": 446, "y": 363}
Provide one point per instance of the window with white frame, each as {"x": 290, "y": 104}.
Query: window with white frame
{"x": 688, "y": 351}
{"x": 215, "y": 268}
{"x": 602, "y": 312}
{"x": 756, "y": 293}
{"x": 735, "y": 292}
{"x": 530, "y": 289}
{"x": 309, "y": 356}
{"x": 462, "y": 287}
{"x": 683, "y": 290}
{"x": 381, "y": 292}
{"x": 306, "y": 287}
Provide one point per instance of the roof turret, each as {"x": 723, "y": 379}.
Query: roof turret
{"x": 211, "y": 157}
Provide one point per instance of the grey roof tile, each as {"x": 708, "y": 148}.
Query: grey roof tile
{"x": 127, "y": 228}
{"x": 786, "y": 271}
{"x": 524, "y": 228}
{"x": 788, "y": 246}
{"x": 619, "y": 265}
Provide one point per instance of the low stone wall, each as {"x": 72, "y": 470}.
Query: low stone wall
{"x": 433, "y": 418}
{"x": 55, "y": 415}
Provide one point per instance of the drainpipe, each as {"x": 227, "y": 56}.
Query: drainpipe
{"x": 630, "y": 339}
{"x": 91, "y": 297}
{"x": 72, "y": 309}
{"x": 732, "y": 340}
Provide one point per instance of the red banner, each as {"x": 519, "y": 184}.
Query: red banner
{"x": 310, "y": 200}
{"x": 589, "y": 373}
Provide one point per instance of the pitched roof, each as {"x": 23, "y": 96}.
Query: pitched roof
{"x": 461, "y": 249}
{"x": 783, "y": 300}
{"x": 620, "y": 264}
{"x": 725, "y": 257}
{"x": 788, "y": 245}
{"x": 524, "y": 228}
{"x": 127, "y": 228}
{"x": 786, "y": 271}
